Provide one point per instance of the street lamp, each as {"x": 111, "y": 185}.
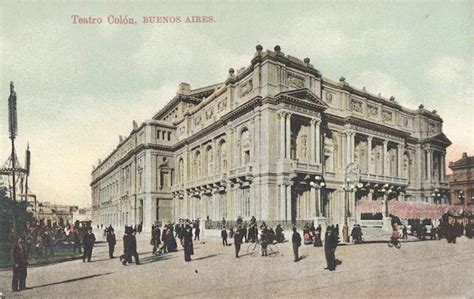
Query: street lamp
{"x": 352, "y": 170}
{"x": 436, "y": 196}
{"x": 461, "y": 197}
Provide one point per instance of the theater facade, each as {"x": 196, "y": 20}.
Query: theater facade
{"x": 275, "y": 140}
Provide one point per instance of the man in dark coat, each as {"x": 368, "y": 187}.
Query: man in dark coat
{"x": 224, "y": 236}
{"x": 130, "y": 247}
{"x": 245, "y": 234}
{"x": 155, "y": 238}
{"x": 88, "y": 244}
{"x": 238, "y": 241}
{"x": 197, "y": 231}
{"x": 20, "y": 264}
{"x": 279, "y": 234}
{"x": 111, "y": 241}
{"x": 330, "y": 243}
{"x": 77, "y": 240}
{"x": 187, "y": 243}
{"x": 296, "y": 240}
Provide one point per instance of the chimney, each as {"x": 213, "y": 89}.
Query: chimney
{"x": 464, "y": 155}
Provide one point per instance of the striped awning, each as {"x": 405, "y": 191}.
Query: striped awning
{"x": 413, "y": 210}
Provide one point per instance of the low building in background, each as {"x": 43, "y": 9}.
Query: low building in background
{"x": 461, "y": 181}
{"x": 82, "y": 215}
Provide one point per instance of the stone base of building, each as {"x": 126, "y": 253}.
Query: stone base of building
{"x": 387, "y": 224}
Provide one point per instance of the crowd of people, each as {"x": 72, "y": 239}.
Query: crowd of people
{"x": 41, "y": 240}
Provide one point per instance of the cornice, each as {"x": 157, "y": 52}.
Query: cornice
{"x": 131, "y": 153}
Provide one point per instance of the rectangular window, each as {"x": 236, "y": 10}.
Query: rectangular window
{"x": 245, "y": 202}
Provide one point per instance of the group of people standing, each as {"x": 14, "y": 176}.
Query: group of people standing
{"x": 312, "y": 235}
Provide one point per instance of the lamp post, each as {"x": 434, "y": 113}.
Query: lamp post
{"x": 461, "y": 197}
{"x": 351, "y": 173}
{"x": 436, "y": 196}
{"x": 13, "y": 130}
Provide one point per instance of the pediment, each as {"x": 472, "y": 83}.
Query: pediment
{"x": 303, "y": 94}
{"x": 440, "y": 138}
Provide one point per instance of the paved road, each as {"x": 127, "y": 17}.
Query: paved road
{"x": 421, "y": 269}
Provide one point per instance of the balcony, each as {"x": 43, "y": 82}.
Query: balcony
{"x": 246, "y": 170}
{"x": 381, "y": 179}
{"x": 304, "y": 167}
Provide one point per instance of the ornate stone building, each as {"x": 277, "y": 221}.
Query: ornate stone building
{"x": 274, "y": 141}
{"x": 461, "y": 180}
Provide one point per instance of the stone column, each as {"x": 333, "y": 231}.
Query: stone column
{"x": 314, "y": 202}
{"x": 288, "y": 136}
{"x": 317, "y": 143}
{"x": 442, "y": 167}
{"x": 400, "y": 149}
{"x": 348, "y": 149}
{"x": 312, "y": 141}
{"x": 353, "y": 146}
{"x": 384, "y": 160}
{"x": 369, "y": 155}
{"x": 282, "y": 201}
{"x": 429, "y": 163}
{"x": 281, "y": 123}
{"x": 288, "y": 201}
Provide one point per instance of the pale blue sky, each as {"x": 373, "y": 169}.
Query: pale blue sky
{"x": 80, "y": 86}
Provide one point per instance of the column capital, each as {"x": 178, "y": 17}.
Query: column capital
{"x": 385, "y": 142}
{"x": 370, "y": 137}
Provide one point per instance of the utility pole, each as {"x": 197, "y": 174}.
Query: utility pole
{"x": 13, "y": 129}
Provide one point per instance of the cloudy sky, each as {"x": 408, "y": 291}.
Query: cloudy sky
{"x": 80, "y": 86}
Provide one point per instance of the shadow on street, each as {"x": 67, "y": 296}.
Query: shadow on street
{"x": 70, "y": 280}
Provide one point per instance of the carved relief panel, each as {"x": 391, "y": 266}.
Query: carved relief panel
{"x": 387, "y": 116}
{"x": 295, "y": 81}
{"x": 372, "y": 111}
{"x": 245, "y": 88}
{"x": 356, "y": 106}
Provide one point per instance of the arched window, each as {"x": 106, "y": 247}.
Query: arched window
{"x": 406, "y": 166}
{"x": 181, "y": 170}
{"x": 245, "y": 146}
{"x": 329, "y": 154}
{"x": 222, "y": 158}
{"x": 197, "y": 165}
{"x": 210, "y": 161}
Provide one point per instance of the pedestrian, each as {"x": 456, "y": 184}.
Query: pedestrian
{"x": 317, "y": 237}
{"x": 405, "y": 232}
{"x": 224, "y": 236}
{"x": 330, "y": 242}
{"x": 433, "y": 233}
{"x": 197, "y": 231}
{"x": 187, "y": 243}
{"x": 129, "y": 247}
{"x": 88, "y": 244}
{"x": 238, "y": 241}
{"x": 111, "y": 241}
{"x": 155, "y": 238}
{"x": 296, "y": 240}
{"x": 20, "y": 265}
{"x": 244, "y": 233}
{"x": 279, "y": 234}
{"x": 264, "y": 241}
{"x": 77, "y": 240}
